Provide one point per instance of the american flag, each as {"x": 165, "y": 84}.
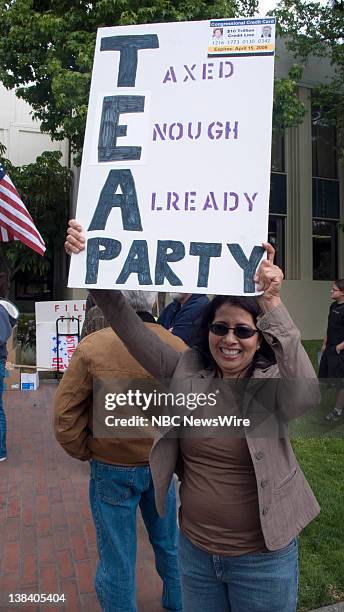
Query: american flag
{"x": 15, "y": 221}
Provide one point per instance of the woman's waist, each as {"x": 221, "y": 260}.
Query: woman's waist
{"x": 231, "y": 505}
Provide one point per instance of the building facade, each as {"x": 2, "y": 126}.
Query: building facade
{"x": 307, "y": 205}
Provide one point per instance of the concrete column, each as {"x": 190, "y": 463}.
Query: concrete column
{"x": 299, "y": 256}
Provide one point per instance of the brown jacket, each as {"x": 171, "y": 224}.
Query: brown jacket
{"x": 284, "y": 391}
{"x": 100, "y": 355}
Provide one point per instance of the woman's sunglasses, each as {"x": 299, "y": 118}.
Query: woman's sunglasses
{"x": 243, "y": 332}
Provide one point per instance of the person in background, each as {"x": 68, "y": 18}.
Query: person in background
{"x": 182, "y": 315}
{"x": 94, "y": 321}
{"x": 90, "y": 303}
{"x": 8, "y": 318}
{"x": 120, "y": 476}
{"x": 332, "y": 359}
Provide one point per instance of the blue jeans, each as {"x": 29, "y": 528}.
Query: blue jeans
{"x": 260, "y": 582}
{"x": 3, "y": 450}
{"x": 115, "y": 494}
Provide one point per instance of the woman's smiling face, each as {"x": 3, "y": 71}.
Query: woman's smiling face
{"x": 231, "y": 354}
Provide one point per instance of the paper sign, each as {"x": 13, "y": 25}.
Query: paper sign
{"x": 54, "y": 351}
{"x": 175, "y": 178}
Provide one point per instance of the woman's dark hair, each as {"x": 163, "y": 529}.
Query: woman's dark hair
{"x": 339, "y": 283}
{"x": 264, "y": 356}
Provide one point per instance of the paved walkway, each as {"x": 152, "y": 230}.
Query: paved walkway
{"x": 335, "y": 608}
{"x": 47, "y": 539}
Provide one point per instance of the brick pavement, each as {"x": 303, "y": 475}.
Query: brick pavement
{"x": 334, "y": 608}
{"x": 47, "y": 538}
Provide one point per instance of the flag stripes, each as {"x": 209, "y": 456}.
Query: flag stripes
{"x": 15, "y": 221}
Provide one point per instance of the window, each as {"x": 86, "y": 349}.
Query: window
{"x": 324, "y": 250}
{"x": 278, "y": 198}
{"x": 324, "y": 147}
{"x": 276, "y": 237}
{"x": 277, "y": 152}
{"x": 278, "y": 194}
{"x": 325, "y": 196}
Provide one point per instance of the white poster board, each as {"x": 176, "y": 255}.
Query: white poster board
{"x": 175, "y": 177}
{"x": 46, "y": 340}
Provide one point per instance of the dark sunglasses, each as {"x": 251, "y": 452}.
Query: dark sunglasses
{"x": 243, "y": 332}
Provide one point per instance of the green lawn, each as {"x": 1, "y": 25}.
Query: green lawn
{"x": 322, "y": 542}
{"x": 313, "y": 347}
{"x": 319, "y": 447}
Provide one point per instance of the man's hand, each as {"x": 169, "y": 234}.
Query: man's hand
{"x": 269, "y": 280}
{"x": 75, "y": 241}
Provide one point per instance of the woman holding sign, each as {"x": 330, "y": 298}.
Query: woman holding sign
{"x": 244, "y": 499}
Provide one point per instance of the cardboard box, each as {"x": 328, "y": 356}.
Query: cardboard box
{"x": 29, "y": 382}
{"x": 12, "y": 380}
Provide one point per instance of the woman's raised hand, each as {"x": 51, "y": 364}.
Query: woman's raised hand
{"x": 268, "y": 279}
{"x": 75, "y": 241}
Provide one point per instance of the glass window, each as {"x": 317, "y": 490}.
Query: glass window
{"x": 276, "y": 235}
{"x": 324, "y": 147}
{"x": 324, "y": 250}
{"x": 325, "y": 198}
{"x": 277, "y": 152}
{"x": 325, "y": 195}
{"x": 278, "y": 194}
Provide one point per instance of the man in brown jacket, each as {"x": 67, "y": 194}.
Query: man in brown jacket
{"x": 120, "y": 475}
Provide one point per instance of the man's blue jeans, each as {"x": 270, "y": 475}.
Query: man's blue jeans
{"x": 115, "y": 494}
{"x": 3, "y": 450}
{"x": 260, "y": 582}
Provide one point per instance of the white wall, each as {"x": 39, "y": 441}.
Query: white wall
{"x": 21, "y": 135}
{"x": 316, "y": 70}
{"x": 308, "y": 303}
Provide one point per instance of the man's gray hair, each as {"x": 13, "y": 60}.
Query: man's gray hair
{"x": 141, "y": 301}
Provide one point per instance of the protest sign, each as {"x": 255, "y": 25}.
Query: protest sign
{"x": 175, "y": 177}
{"x": 46, "y": 339}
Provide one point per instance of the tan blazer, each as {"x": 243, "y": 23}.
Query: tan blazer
{"x": 273, "y": 396}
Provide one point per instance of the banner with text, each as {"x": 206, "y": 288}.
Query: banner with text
{"x": 175, "y": 177}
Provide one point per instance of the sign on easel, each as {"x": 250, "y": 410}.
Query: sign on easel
{"x": 175, "y": 177}
{"x": 52, "y": 352}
